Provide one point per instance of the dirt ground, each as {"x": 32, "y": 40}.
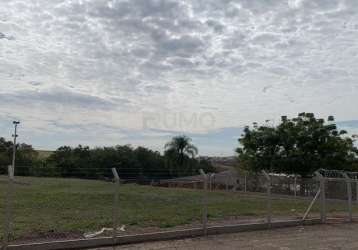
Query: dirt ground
{"x": 318, "y": 237}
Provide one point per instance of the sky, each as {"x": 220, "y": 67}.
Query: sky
{"x": 107, "y": 72}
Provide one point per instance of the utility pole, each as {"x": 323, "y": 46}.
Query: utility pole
{"x": 11, "y": 171}
{"x": 15, "y": 135}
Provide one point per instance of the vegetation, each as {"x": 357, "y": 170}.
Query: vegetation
{"x": 180, "y": 157}
{"x": 25, "y": 156}
{"x": 181, "y": 147}
{"x": 85, "y": 162}
{"x": 48, "y": 206}
{"x": 44, "y": 154}
{"x": 139, "y": 163}
{"x": 297, "y": 146}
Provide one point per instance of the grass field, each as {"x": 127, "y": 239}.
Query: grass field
{"x": 52, "y": 206}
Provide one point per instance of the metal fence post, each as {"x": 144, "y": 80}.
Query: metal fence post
{"x": 322, "y": 196}
{"x": 295, "y": 186}
{"x": 356, "y": 191}
{"x": 115, "y": 203}
{"x": 236, "y": 183}
{"x": 211, "y": 177}
{"x": 311, "y": 204}
{"x": 205, "y": 202}
{"x": 8, "y": 215}
{"x": 349, "y": 194}
{"x": 269, "y": 205}
{"x": 245, "y": 183}
{"x": 323, "y": 200}
{"x": 210, "y": 181}
{"x": 227, "y": 183}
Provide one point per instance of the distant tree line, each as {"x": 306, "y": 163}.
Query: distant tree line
{"x": 297, "y": 146}
{"x": 95, "y": 163}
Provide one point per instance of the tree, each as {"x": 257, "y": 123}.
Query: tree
{"x": 181, "y": 146}
{"x": 25, "y": 157}
{"x": 178, "y": 151}
{"x": 151, "y": 163}
{"x": 85, "y": 162}
{"x": 297, "y": 146}
{"x": 95, "y": 163}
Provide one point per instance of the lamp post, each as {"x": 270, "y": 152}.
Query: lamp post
{"x": 15, "y": 135}
{"x": 11, "y": 171}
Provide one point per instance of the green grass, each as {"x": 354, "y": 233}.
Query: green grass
{"x": 72, "y": 205}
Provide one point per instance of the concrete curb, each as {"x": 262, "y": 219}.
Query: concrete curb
{"x": 168, "y": 235}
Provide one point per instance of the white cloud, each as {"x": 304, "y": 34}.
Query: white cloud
{"x": 113, "y": 60}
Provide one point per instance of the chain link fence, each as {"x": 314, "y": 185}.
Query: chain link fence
{"x": 37, "y": 209}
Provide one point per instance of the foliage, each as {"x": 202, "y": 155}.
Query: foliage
{"x": 43, "y": 154}
{"x": 95, "y": 163}
{"x": 181, "y": 147}
{"x": 25, "y": 156}
{"x": 297, "y": 146}
{"x": 139, "y": 164}
{"x": 180, "y": 157}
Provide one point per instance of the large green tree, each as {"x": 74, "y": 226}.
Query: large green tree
{"x": 297, "y": 146}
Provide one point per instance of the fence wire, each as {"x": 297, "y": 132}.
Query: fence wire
{"x": 53, "y": 208}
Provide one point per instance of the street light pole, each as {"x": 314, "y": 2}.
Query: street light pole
{"x": 15, "y": 135}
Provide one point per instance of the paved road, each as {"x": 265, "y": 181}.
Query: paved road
{"x": 319, "y": 237}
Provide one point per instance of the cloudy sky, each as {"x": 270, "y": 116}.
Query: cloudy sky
{"x": 105, "y": 72}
